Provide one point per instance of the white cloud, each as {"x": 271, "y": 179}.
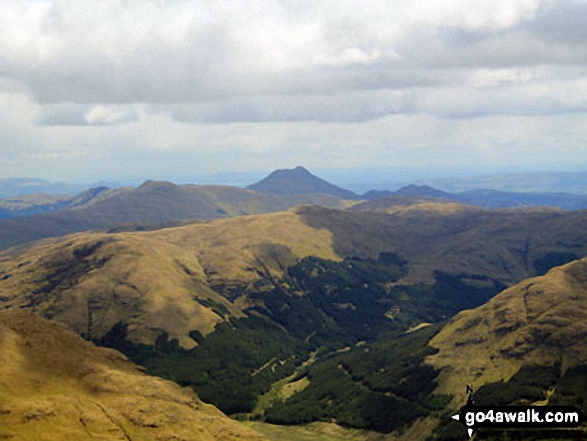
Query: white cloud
{"x": 70, "y": 114}
{"x": 499, "y": 77}
{"x": 109, "y": 115}
{"x": 260, "y": 77}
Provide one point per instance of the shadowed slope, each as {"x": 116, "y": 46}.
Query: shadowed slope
{"x": 55, "y": 386}
{"x": 507, "y": 245}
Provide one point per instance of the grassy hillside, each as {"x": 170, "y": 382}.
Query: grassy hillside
{"x": 55, "y": 386}
{"x": 506, "y": 245}
{"x": 542, "y": 320}
{"x": 327, "y": 298}
{"x": 155, "y": 282}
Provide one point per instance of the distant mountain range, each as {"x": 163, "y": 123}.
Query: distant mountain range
{"x": 489, "y": 198}
{"x": 152, "y": 204}
{"x": 521, "y": 182}
{"x": 157, "y": 203}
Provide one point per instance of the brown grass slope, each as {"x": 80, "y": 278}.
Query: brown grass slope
{"x": 56, "y": 386}
{"x": 155, "y": 281}
{"x": 151, "y": 203}
{"x": 180, "y": 279}
{"x": 502, "y": 244}
{"x": 541, "y": 320}
{"x": 395, "y": 204}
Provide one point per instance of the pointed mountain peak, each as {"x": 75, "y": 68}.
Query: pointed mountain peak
{"x": 298, "y": 181}
{"x": 298, "y": 171}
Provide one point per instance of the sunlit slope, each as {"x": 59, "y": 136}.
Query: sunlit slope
{"x": 155, "y": 281}
{"x": 55, "y": 386}
{"x": 541, "y": 321}
{"x": 395, "y": 204}
{"x": 250, "y": 248}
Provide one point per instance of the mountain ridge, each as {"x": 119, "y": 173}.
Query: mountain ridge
{"x": 250, "y": 298}
{"x": 154, "y": 202}
{"x": 169, "y": 272}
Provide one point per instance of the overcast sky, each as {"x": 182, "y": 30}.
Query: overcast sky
{"x": 118, "y": 89}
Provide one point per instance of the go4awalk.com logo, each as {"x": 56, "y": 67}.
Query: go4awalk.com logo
{"x": 518, "y": 417}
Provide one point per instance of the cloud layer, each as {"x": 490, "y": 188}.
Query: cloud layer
{"x": 197, "y": 69}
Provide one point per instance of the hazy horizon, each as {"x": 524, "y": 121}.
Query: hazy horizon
{"x": 452, "y": 179}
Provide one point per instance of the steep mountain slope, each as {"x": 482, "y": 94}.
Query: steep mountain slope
{"x": 155, "y": 281}
{"x": 526, "y": 345}
{"x": 542, "y": 321}
{"x": 55, "y": 386}
{"x": 299, "y": 181}
{"x": 150, "y": 204}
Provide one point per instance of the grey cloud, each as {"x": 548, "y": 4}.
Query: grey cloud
{"x": 204, "y": 78}
{"x": 556, "y": 35}
{"x": 525, "y": 100}
{"x": 565, "y": 24}
{"x": 156, "y": 76}
{"x": 453, "y": 48}
{"x": 519, "y": 95}
{"x": 350, "y": 107}
{"x": 68, "y": 114}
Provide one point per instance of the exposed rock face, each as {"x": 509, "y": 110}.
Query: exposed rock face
{"x": 56, "y": 386}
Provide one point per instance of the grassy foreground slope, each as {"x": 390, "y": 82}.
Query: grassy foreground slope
{"x": 55, "y": 386}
